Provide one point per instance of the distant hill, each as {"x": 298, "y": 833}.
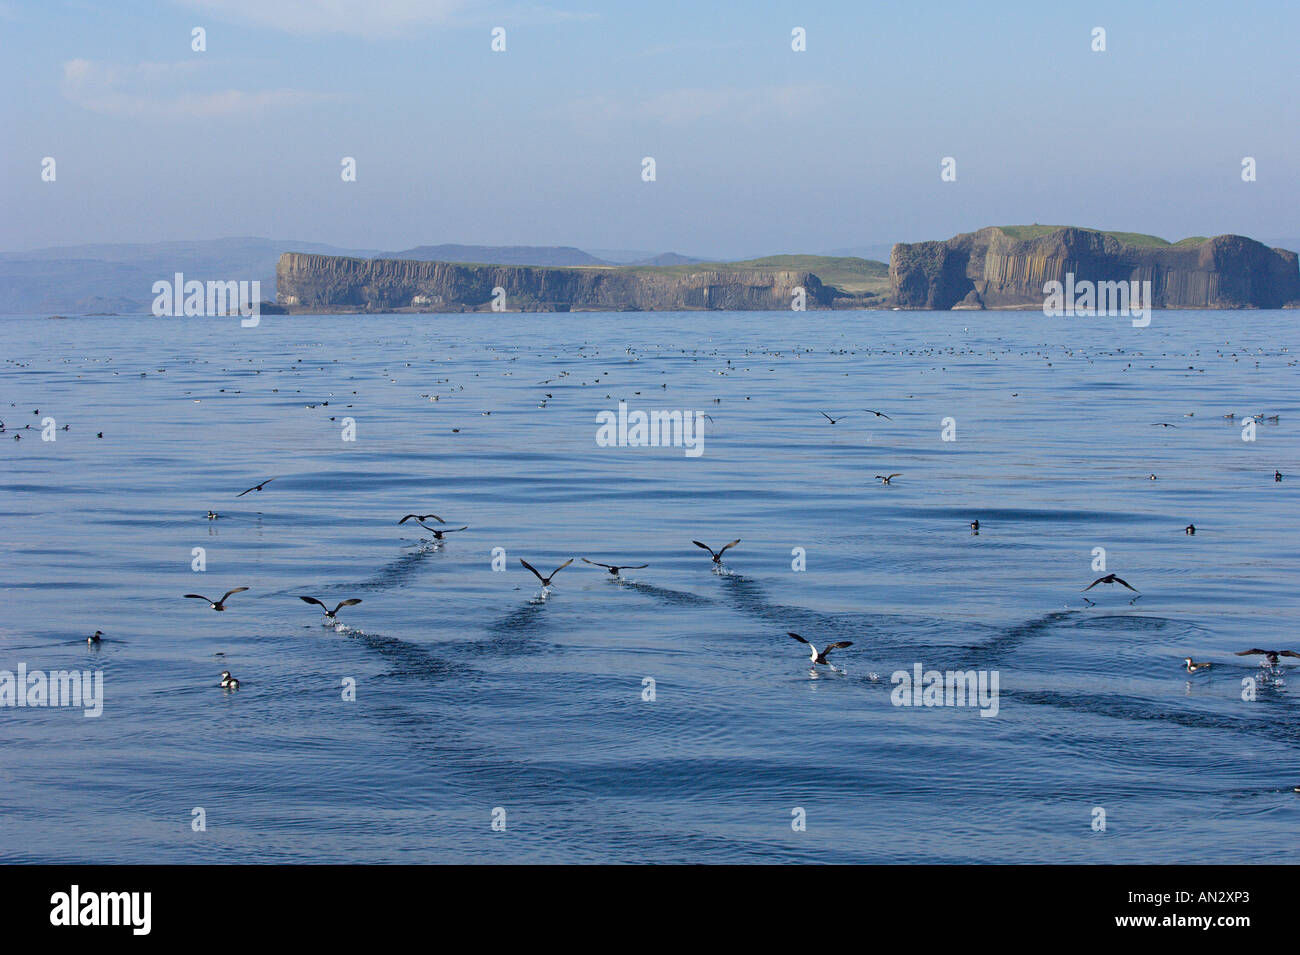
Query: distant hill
{"x": 668, "y": 258}
{"x": 541, "y": 255}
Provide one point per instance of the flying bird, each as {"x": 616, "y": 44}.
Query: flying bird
{"x": 614, "y": 568}
{"x": 816, "y": 657}
{"x": 1111, "y": 579}
{"x": 1270, "y": 655}
{"x": 886, "y": 478}
{"x": 717, "y": 555}
{"x": 437, "y": 532}
{"x": 218, "y": 605}
{"x": 329, "y": 614}
{"x": 830, "y": 419}
{"x": 1164, "y": 424}
{"x": 878, "y": 414}
{"x": 421, "y": 518}
{"x": 546, "y": 581}
{"x": 256, "y": 487}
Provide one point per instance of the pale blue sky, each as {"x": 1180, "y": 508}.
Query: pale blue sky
{"x": 759, "y": 149}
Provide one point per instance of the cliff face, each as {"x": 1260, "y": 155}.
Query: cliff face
{"x": 993, "y": 269}
{"x": 346, "y": 284}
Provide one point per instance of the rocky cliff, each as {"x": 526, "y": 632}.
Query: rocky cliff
{"x": 334, "y": 283}
{"x": 993, "y": 269}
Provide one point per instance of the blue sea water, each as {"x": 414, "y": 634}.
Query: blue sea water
{"x": 474, "y": 696}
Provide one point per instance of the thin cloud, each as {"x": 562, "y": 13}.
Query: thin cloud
{"x": 373, "y": 18}
{"x": 150, "y": 90}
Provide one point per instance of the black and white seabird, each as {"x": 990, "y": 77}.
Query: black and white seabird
{"x": 975, "y": 526}
{"x": 256, "y": 487}
{"x": 717, "y": 555}
{"x": 614, "y": 568}
{"x": 1189, "y": 529}
{"x": 546, "y": 581}
{"x": 95, "y": 637}
{"x": 1277, "y": 475}
{"x": 217, "y": 605}
{"x": 228, "y": 682}
{"x": 1111, "y": 579}
{"x": 213, "y": 515}
{"x": 815, "y": 656}
{"x": 1193, "y": 666}
{"x": 1271, "y": 657}
{"x": 329, "y": 614}
{"x": 886, "y": 478}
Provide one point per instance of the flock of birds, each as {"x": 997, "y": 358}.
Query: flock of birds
{"x": 1271, "y": 664}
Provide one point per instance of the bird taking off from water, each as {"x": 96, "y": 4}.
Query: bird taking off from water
{"x": 820, "y": 657}
{"x": 1111, "y": 579}
{"x": 614, "y": 568}
{"x": 717, "y": 555}
{"x": 217, "y": 605}
{"x": 329, "y": 614}
{"x": 1270, "y": 656}
{"x": 546, "y": 581}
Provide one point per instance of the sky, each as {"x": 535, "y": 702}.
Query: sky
{"x": 758, "y": 148}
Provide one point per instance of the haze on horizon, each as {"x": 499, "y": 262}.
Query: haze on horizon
{"x": 759, "y": 149}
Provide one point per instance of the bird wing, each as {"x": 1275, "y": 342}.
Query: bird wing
{"x": 408, "y": 517}
{"x": 725, "y": 546}
{"x": 1246, "y": 653}
{"x": 826, "y": 416}
{"x": 892, "y": 476}
{"x": 452, "y": 530}
{"x": 1093, "y": 584}
{"x": 1288, "y": 653}
{"x": 879, "y": 414}
{"x": 242, "y": 493}
{"x": 789, "y": 633}
{"x": 533, "y": 569}
{"x": 705, "y": 546}
{"x": 345, "y": 603}
{"x": 633, "y": 566}
{"x": 596, "y": 563}
{"x": 313, "y": 600}
{"x": 836, "y": 646}
{"x": 562, "y": 566}
{"x": 235, "y": 591}
{"x": 1120, "y": 580}
{"x": 201, "y": 597}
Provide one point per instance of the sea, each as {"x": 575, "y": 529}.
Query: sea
{"x": 461, "y": 714}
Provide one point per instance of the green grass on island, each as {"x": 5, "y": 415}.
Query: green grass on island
{"x": 846, "y": 273}
{"x": 1035, "y": 231}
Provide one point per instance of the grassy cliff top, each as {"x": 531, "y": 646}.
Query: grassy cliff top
{"x": 1035, "y": 231}
{"x": 846, "y": 273}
